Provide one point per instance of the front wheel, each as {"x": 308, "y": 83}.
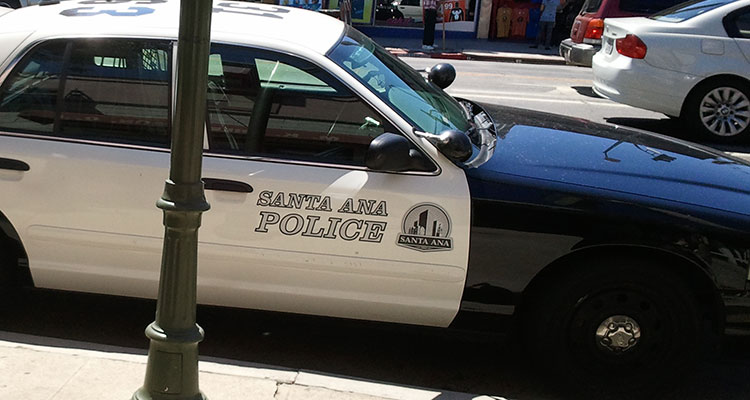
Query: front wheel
{"x": 622, "y": 326}
{"x": 720, "y": 111}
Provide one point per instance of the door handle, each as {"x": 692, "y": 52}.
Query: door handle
{"x": 225, "y": 185}
{"x": 13, "y": 165}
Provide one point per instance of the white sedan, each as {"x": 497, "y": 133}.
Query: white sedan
{"x": 691, "y": 61}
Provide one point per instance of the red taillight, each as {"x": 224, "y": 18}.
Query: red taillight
{"x": 631, "y": 46}
{"x": 594, "y": 29}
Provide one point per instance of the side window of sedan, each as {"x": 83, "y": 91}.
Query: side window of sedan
{"x": 113, "y": 90}
{"x": 743, "y": 25}
{"x": 267, "y": 104}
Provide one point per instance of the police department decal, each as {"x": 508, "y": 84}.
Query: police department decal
{"x": 426, "y": 227}
{"x": 316, "y": 216}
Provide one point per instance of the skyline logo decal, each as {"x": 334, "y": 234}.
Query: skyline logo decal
{"x": 426, "y": 227}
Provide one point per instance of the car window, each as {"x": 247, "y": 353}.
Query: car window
{"x": 743, "y": 25}
{"x": 738, "y": 25}
{"x": 591, "y": 6}
{"x": 647, "y": 6}
{"x": 262, "y": 103}
{"x": 689, "y": 9}
{"x": 113, "y": 90}
{"x": 427, "y": 107}
{"x": 29, "y": 96}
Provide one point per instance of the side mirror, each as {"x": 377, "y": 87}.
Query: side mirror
{"x": 442, "y": 75}
{"x": 391, "y": 152}
{"x": 453, "y": 144}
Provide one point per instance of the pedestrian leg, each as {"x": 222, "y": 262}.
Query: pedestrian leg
{"x": 548, "y": 28}
{"x": 430, "y": 16}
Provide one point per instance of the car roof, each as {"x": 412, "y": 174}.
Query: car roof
{"x": 232, "y": 21}
{"x": 709, "y": 23}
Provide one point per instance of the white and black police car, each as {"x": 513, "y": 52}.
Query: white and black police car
{"x": 345, "y": 184}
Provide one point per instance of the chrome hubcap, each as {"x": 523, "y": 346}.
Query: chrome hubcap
{"x": 725, "y": 111}
{"x": 618, "y": 333}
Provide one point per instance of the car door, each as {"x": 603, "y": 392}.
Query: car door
{"x": 89, "y": 120}
{"x": 298, "y": 223}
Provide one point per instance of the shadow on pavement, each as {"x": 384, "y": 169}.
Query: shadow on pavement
{"x": 409, "y": 356}
{"x": 587, "y": 91}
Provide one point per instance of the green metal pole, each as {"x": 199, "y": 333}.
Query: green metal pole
{"x": 172, "y": 370}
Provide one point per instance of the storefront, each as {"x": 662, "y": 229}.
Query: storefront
{"x": 483, "y": 19}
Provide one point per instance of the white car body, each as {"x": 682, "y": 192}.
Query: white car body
{"x": 411, "y": 9}
{"x": 680, "y": 56}
{"x": 59, "y": 218}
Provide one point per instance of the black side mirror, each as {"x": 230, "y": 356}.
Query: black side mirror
{"x": 442, "y": 75}
{"x": 392, "y": 152}
{"x": 453, "y": 144}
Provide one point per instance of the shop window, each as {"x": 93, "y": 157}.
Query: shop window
{"x": 273, "y": 105}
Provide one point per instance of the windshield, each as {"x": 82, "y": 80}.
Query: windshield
{"x": 424, "y": 105}
{"x": 687, "y": 10}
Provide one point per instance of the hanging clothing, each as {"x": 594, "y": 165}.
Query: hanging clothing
{"x": 518, "y": 22}
{"x": 457, "y": 14}
{"x": 483, "y": 26}
{"x": 504, "y": 15}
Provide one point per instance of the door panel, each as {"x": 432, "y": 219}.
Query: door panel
{"x": 320, "y": 233}
{"x": 86, "y": 214}
{"x": 744, "y": 45}
{"x": 321, "y": 256}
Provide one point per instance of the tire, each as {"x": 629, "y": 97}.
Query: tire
{"x": 626, "y": 326}
{"x": 8, "y": 270}
{"x": 720, "y": 110}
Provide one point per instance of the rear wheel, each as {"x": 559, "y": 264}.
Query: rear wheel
{"x": 720, "y": 110}
{"x": 625, "y": 326}
{"x": 9, "y": 281}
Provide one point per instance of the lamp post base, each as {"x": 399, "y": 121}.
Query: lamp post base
{"x": 172, "y": 369}
{"x": 143, "y": 394}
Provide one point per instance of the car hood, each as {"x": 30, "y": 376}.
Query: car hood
{"x": 591, "y": 156}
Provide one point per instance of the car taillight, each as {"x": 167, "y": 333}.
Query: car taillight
{"x": 594, "y": 29}
{"x": 631, "y": 46}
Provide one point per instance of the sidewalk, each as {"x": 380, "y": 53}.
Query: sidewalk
{"x": 41, "y": 368}
{"x": 474, "y": 49}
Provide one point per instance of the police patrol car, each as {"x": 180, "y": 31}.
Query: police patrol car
{"x": 343, "y": 183}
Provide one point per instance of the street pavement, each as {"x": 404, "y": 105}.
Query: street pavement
{"x": 41, "y": 368}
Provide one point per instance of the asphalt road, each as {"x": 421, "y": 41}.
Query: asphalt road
{"x": 432, "y": 358}
{"x": 558, "y": 89}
